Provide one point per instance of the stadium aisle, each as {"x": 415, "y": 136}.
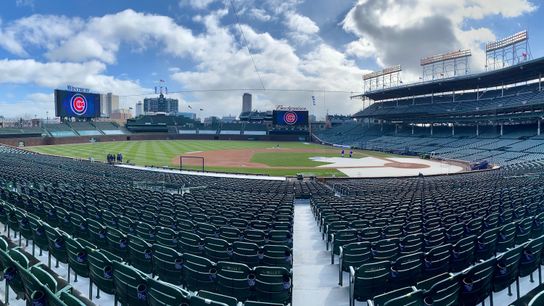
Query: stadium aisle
{"x": 315, "y": 279}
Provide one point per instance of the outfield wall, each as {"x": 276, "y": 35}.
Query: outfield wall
{"x": 43, "y": 141}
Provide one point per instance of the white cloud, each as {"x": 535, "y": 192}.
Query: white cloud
{"x": 40, "y": 105}
{"x": 37, "y": 30}
{"x": 198, "y": 4}
{"x": 259, "y": 14}
{"x": 362, "y": 48}
{"x": 402, "y": 32}
{"x": 301, "y": 29}
{"x": 302, "y": 24}
{"x": 281, "y": 68}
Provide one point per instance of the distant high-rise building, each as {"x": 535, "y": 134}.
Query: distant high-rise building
{"x": 160, "y": 105}
{"x": 189, "y": 115}
{"x": 108, "y": 104}
{"x": 139, "y": 109}
{"x": 246, "y": 103}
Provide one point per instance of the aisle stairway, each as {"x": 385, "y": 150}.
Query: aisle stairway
{"x": 315, "y": 279}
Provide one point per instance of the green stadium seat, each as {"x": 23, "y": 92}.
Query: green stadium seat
{"x": 216, "y": 297}
{"x": 531, "y": 258}
{"x": 229, "y": 233}
{"x": 161, "y": 293}
{"x": 217, "y": 249}
{"x": 140, "y": 254}
{"x": 523, "y": 230}
{"x": 381, "y": 299}
{"x": 506, "y": 237}
{"x": 190, "y": 243}
{"x": 145, "y": 232}
{"x": 353, "y": 254}
{"x": 12, "y": 277}
{"x": 80, "y": 227}
{"x": 340, "y": 238}
{"x": 537, "y": 300}
{"x": 97, "y": 234}
{"x": 235, "y": 279}
{"x": 368, "y": 280}
{"x": 256, "y": 303}
{"x": 462, "y": 254}
{"x": 507, "y": 270}
{"x": 130, "y": 285}
{"x": 486, "y": 244}
{"x": 247, "y": 253}
{"x": 477, "y": 282}
{"x": 101, "y": 271}
{"x": 442, "y": 290}
{"x": 71, "y": 299}
{"x": 25, "y": 230}
{"x": 406, "y": 270}
{"x": 118, "y": 243}
{"x": 273, "y": 284}
{"x": 415, "y": 298}
{"x": 277, "y": 256}
{"x": 199, "y": 273}
{"x": 78, "y": 257}
{"x": 167, "y": 237}
{"x": 168, "y": 264}
{"x": 538, "y": 226}
{"x": 126, "y": 225}
{"x": 56, "y": 245}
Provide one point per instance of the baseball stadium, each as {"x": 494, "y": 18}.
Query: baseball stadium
{"x": 430, "y": 194}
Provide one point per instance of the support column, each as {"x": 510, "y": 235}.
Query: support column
{"x": 538, "y": 131}
{"x": 431, "y": 129}
{"x": 453, "y": 130}
{"x": 396, "y": 129}
{"x": 477, "y": 130}
{"x": 412, "y": 130}
{"x": 502, "y": 128}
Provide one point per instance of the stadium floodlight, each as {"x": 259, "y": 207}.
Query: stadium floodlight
{"x": 508, "y": 41}
{"x": 383, "y": 72}
{"x": 445, "y": 57}
{"x": 508, "y": 51}
{"x": 445, "y": 65}
{"x": 382, "y": 79}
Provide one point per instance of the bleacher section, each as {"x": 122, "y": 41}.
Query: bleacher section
{"x": 109, "y": 128}
{"x": 455, "y": 240}
{"x": 60, "y": 130}
{"x": 496, "y": 149}
{"x": 395, "y": 241}
{"x": 21, "y": 132}
{"x": 85, "y": 129}
{"x": 254, "y": 129}
{"x": 231, "y": 128}
{"x": 231, "y": 229}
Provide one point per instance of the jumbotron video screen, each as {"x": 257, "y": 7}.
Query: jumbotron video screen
{"x": 76, "y": 104}
{"x": 281, "y": 117}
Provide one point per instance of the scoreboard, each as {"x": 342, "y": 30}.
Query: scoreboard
{"x": 290, "y": 117}
{"x": 76, "y": 104}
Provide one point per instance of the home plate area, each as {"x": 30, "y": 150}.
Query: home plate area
{"x": 387, "y": 167}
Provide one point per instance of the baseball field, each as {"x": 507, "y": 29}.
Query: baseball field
{"x": 252, "y": 157}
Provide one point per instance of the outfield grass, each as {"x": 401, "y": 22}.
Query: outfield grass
{"x": 162, "y": 153}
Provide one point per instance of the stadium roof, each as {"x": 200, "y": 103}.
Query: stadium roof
{"x": 526, "y": 71}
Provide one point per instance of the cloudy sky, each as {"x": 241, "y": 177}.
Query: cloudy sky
{"x": 300, "y": 48}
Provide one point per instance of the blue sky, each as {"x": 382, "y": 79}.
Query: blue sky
{"x": 319, "y": 45}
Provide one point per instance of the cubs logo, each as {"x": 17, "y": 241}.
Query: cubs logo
{"x": 290, "y": 118}
{"x": 78, "y": 104}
